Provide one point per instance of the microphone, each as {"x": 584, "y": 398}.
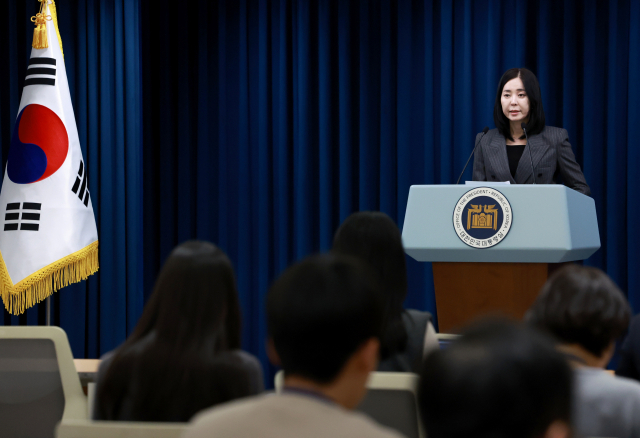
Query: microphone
{"x": 533, "y": 172}
{"x": 484, "y": 131}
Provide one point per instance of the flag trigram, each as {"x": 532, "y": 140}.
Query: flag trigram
{"x": 15, "y": 217}
{"x": 41, "y": 71}
{"x": 80, "y": 186}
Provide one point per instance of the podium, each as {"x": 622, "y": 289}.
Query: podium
{"x": 547, "y": 224}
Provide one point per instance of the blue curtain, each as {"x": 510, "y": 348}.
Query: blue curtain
{"x": 260, "y": 125}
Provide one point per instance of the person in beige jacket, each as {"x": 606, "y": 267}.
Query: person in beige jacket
{"x": 325, "y": 319}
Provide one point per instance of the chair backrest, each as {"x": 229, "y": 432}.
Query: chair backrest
{"x": 39, "y": 384}
{"x": 88, "y": 373}
{"x": 391, "y": 400}
{"x": 118, "y": 429}
{"x": 278, "y": 381}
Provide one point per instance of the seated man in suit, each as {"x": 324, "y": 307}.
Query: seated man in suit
{"x": 499, "y": 380}
{"x": 325, "y": 319}
{"x": 586, "y": 312}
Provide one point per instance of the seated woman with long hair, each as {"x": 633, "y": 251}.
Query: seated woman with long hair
{"x": 372, "y": 236}
{"x": 184, "y": 355}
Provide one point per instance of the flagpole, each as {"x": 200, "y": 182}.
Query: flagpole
{"x": 48, "y": 311}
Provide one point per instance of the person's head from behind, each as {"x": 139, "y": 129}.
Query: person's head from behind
{"x": 584, "y": 309}
{"x": 325, "y": 318}
{"x": 518, "y": 100}
{"x": 195, "y": 301}
{"x": 499, "y": 380}
{"x": 181, "y": 344}
{"x": 373, "y": 237}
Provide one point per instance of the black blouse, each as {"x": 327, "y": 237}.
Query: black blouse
{"x": 514, "y": 153}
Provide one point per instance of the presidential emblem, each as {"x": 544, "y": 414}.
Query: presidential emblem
{"x": 482, "y": 217}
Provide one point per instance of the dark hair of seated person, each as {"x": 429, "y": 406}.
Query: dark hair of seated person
{"x": 372, "y": 236}
{"x": 499, "y": 380}
{"x": 320, "y": 311}
{"x": 179, "y": 358}
{"x": 581, "y": 305}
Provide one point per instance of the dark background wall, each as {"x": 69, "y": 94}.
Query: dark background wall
{"x": 260, "y": 125}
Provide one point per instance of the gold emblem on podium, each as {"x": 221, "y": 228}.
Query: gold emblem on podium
{"x": 482, "y": 217}
{"x": 477, "y": 218}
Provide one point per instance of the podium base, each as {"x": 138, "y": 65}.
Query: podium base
{"x": 465, "y": 291}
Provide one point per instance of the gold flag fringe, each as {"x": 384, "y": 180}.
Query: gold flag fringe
{"x": 43, "y": 283}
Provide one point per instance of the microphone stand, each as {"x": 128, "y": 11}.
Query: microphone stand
{"x": 484, "y": 131}
{"x": 533, "y": 172}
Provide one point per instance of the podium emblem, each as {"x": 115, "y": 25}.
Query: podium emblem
{"x": 477, "y": 219}
{"x": 482, "y": 217}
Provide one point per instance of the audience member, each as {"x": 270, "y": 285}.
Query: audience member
{"x": 184, "y": 355}
{"x": 325, "y": 316}
{"x": 499, "y": 380}
{"x": 586, "y": 312}
{"x": 375, "y": 238}
{"x": 629, "y": 364}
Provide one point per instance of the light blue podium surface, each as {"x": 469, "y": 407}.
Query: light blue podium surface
{"x": 550, "y": 224}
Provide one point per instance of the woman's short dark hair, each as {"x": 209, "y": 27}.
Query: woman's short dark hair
{"x": 372, "y": 236}
{"x": 498, "y": 380}
{"x": 536, "y": 122}
{"x": 581, "y": 305}
{"x": 320, "y": 311}
{"x": 192, "y": 318}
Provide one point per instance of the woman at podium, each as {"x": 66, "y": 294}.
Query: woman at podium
{"x": 521, "y": 149}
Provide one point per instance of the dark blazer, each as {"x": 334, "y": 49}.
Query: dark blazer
{"x": 409, "y": 360}
{"x": 551, "y": 153}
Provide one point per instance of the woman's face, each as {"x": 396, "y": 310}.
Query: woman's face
{"x": 515, "y": 103}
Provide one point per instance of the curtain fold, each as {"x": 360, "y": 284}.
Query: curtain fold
{"x": 261, "y": 124}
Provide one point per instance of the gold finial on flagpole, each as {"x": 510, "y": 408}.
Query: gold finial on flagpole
{"x": 40, "y": 32}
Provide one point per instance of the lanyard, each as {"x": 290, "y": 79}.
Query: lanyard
{"x": 308, "y": 393}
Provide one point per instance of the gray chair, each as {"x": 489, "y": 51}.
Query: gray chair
{"x": 39, "y": 384}
{"x": 392, "y": 401}
{"x": 118, "y": 429}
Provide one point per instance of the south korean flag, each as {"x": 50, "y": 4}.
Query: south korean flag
{"x": 48, "y": 238}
